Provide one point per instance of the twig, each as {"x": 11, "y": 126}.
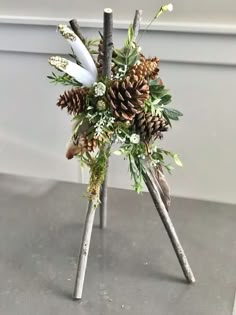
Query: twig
{"x": 150, "y": 180}
{"x": 107, "y": 58}
{"x": 84, "y": 251}
{"x": 136, "y": 23}
{"x": 107, "y": 42}
{"x": 88, "y": 226}
{"x": 103, "y": 201}
{"x": 106, "y": 70}
{"x": 76, "y": 28}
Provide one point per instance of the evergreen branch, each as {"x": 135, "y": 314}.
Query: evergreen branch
{"x": 64, "y": 79}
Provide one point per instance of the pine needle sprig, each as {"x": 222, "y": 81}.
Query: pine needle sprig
{"x": 64, "y": 79}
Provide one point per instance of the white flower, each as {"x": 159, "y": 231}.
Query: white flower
{"x": 169, "y": 7}
{"x": 139, "y": 49}
{"x": 100, "y": 89}
{"x": 117, "y": 152}
{"x": 79, "y": 49}
{"x": 71, "y": 68}
{"x": 134, "y": 138}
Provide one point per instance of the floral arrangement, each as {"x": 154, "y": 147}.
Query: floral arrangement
{"x": 131, "y": 108}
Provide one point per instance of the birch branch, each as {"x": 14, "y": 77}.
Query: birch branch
{"x": 151, "y": 182}
{"x": 84, "y": 251}
{"x": 76, "y": 28}
{"x": 106, "y": 70}
{"x": 136, "y": 23}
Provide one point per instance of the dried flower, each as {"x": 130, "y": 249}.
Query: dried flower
{"x": 66, "y": 32}
{"x": 100, "y": 89}
{"x": 134, "y": 138}
{"x": 169, "y": 7}
{"x": 101, "y": 106}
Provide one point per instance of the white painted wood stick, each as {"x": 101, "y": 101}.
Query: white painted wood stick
{"x": 84, "y": 251}
{"x": 150, "y": 180}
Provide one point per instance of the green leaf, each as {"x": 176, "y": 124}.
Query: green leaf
{"x": 166, "y": 99}
{"x": 177, "y": 160}
{"x": 172, "y": 114}
{"x": 130, "y": 33}
{"x": 174, "y": 156}
{"x": 119, "y": 53}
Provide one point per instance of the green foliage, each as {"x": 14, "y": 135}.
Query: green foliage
{"x": 91, "y": 45}
{"x": 63, "y": 79}
{"x": 102, "y": 122}
{"x": 134, "y": 153}
{"x": 158, "y": 158}
{"x": 97, "y": 167}
{"x": 159, "y": 92}
{"x": 171, "y": 114}
{"x": 128, "y": 55}
{"x": 158, "y": 101}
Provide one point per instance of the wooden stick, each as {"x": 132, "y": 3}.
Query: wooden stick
{"x": 103, "y": 201}
{"x": 88, "y": 226}
{"x": 76, "y": 28}
{"x": 106, "y": 70}
{"x": 150, "y": 180}
{"x": 136, "y": 23}
{"x": 84, "y": 251}
{"x": 107, "y": 42}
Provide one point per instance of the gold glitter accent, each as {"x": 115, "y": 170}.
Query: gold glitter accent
{"x": 66, "y": 32}
{"x": 58, "y": 62}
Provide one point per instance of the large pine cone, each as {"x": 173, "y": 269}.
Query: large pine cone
{"x": 149, "y": 127}
{"x": 146, "y": 69}
{"x": 73, "y": 100}
{"x": 127, "y": 97}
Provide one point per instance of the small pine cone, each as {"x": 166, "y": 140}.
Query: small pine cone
{"x": 73, "y": 100}
{"x": 100, "y": 57}
{"x": 127, "y": 97}
{"x": 146, "y": 69}
{"x": 149, "y": 127}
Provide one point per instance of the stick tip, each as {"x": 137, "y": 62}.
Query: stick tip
{"x": 108, "y": 10}
{"x": 77, "y": 297}
{"x": 192, "y": 280}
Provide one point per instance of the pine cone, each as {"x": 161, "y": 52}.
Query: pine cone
{"x": 149, "y": 127}
{"x": 127, "y": 97}
{"x": 73, "y": 100}
{"x": 146, "y": 69}
{"x": 100, "y": 57}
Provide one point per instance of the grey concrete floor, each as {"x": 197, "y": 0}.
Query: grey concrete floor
{"x": 132, "y": 268}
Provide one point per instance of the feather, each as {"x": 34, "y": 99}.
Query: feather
{"x": 163, "y": 187}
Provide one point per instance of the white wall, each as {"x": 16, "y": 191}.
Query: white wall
{"x": 198, "y": 64}
{"x": 185, "y": 10}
